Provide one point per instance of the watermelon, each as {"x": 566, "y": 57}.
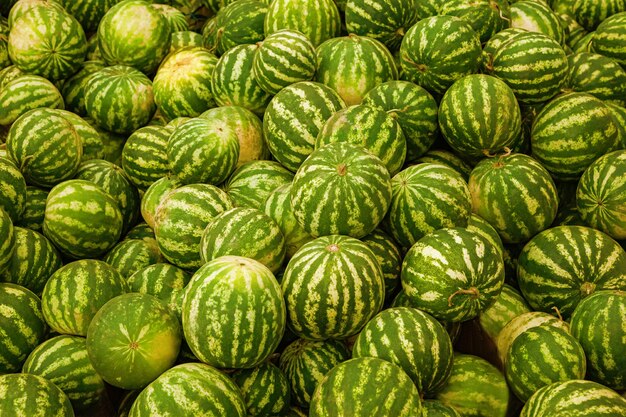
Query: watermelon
{"x": 131, "y": 255}
{"x": 389, "y": 257}
{"x": 72, "y": 90}
{"x": 24, "y": 93}
{"x": 134, "y": 33}
{"x": 439, "y": 50}
{"x": 265, "y": 389}
{"x": 338, "y": 392}
{"x": 284, "y": 58}
{"x": 185, "y": 39}
{"x": 306, "y": 362}
{"x": 202, "y": 151}
{"x": 562, "y": 265}
{"x": 144, "y": 157}
{"x": 479, "y": 115}
{"x": 21, "y": 7}
{"x": 9, "y": 73}
{"x": 233, "y": 81}
{"x": 321, "y": 18}
{"x": 591, "y": 14}
{"x": 33, "y": 396}
{"x": 141, "y": 232}
{"x": 238, "y": 23}
{"x": 182, "y": 83}
{"x": 573, "y": 31}
{"x": 7, "y": 237}
{"x": 63, "y": 360}
{"x": 426, "y": 197}
{"x": 341, "y": 189}
{"x": 509, "y": 304}
{"x": 312, "y": 282}
{"x": 566, "y": 145}
{"x": 94, "y": 146}
{"x": 133, "y": 339}
{"x": 435, "y": 408}
{"x": 294, "y": 118}
{"x": 32, "y": 48}
{"x": 601, "y": 195}
{"x": 229, "y": 300}
{"x": 181, "y": 218}
{"x": 576, "y": 398}
{"x": 413, "y": 108}
{"x": 475, "y": 388}
{"x": 515, "y": 194}
{"x": 252, "y": 183}
{"x": 190, "y": 386}
{"x": 76, "y": 291}
{"x": 81, "y": 219}
{"x": 445, "y": 281}
{"x": 176, "y": 18}
{"x": 13, "y": 189}
{"x": 164, "y": 281}
{"x": 608, "y": 38}
{"x": 374, "y": 129}
{"x": 619, "y": 116}
{"x": 411, "y": 339}
{"x": 33, "y": 261}
{"x": 22, "y": 327}
{"x": 595, "y": 326}
{"x": 246, "y": 232}
{"x": 535, "y": 16}
{"x": 597, "y": 75}
{"x": 153, "y": 196}
{"x": 52, "y": 152}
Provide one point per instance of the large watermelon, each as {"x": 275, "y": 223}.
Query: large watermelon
{"x": 32, "y": 396}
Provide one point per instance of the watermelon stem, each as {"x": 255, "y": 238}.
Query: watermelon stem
{"x": 558, "y": 312}
{"x": 473, "y": 291}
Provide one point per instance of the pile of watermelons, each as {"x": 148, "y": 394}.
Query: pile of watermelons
{"x": 361, "y": 208}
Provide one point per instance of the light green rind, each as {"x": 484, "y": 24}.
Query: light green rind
{"x": 252, "y": 183}
{"x": 24, "y": 93}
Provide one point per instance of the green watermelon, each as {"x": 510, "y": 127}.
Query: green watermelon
{"x": 591, "y": 14}
{"x": 608, "y": 39}
{"x": 144, "y": 157}
{"x": 486, "y": 17}
{"x": 252, "y": 183}
{"x": 94, "y": 146}
{"x": 619, "y": 116}
{"x": 185, "y": 39}
{"x": 238, "y": 23}
{"x": 176, "y": 18}
{"x": 389, "y": 257}
{"x": 597, "y": 75}
{"x": 32, "y": 396}
{"x": 22, "y": 327}
{"x": 449, "y": 159}
{"x": 536, "y": 16}
{"x": 435, "y": 408}
{"x": 229, "y": 300}
{"x": 13, "y": 189}
{"x": 24, "y": 93}
{"x": 509, "y": 304}
{"x": 133, "y": 339}
{"x": 265, "y": 389}
{"x": 153, "y": 196}
{"x": 164, "y": 281}
{"x": 7, "y": 239}
{"x": 131, "y": 255}
{"x": 73, "y": 87}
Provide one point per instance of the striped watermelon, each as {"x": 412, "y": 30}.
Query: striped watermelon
{"x": 541, "y": 356}
{"x": 601, "y": 195}
{"x": 252, "y": 183}
{"x": 246, "y": 232}
{"x": 22, "y": 327}
{"x": 21, "y": 7}
{"x": 76, "y": 291}
{"x": 341, "y": 189}
{"x": 7, "y": 239}
{"x": 202, "y": 151}
{"x": 515, "y": 194}
{"x": 238, "y": 23}
{"x": 63, "y": 360}
{"x": 265, "y": 389}
{"x": 374, "y": 129}
{"x": 144, "y": 157}
{"x": 411, "y": 339}
{"x": 445, "y": 281}
{"x": 233, "y": 81}
{"x": 153, "y": 196}
{"x": 567, "y": 145}
{"x": 413, "y": 108}
{"x": 338, "y": 394}
{"x": 385, "y": 21}
{"x": 499, "y": 39}
{"x": 52, "y": 152}
{"x": 176, "y": 18}
{"x": 449, "y": 159}
{"x": 33, "y": 261}
{"x": 592, "y": 13}
{"x": 439, "y": 50}
{"x": 32, "y": 396}
{"x": 164, "y": 281}
{"x": 8, "y": 74}
{"x": 608, "y": 38}
{"x": 92, "y": 142}
{"x": 182, "y": 84}
{"x": 597, "y": 75}
{"x": 73, "y": 87}
{"x": 352, "y": 65}
{"x": 561, "y": 266}
{"x": 248, "y": 128}
{"x": 596, "y": 325}
{"x": 535, "y": 16}
{"x": 181, "y": 218}
{"x": 81, "y": 219}
{"x": 321, "y": 18}
{"x": 585, "y": 44}
{"x": 131, "y": 255}
{"x": 185, "y": 39}
{"x": 24, "y": 93}
{"x": 294, "y": 118}
{"x": 228, "y": 301}
{"x": 119, "y": 98}
{"x": 190, "y": 386}
{"x": 480, "y": 225}
{"x": 435, "y": 408}
{"x": 577, "y": 398}
{"x": 134, "y": 33}
{"x": 141, "y": 231}
{"x": 479, "y": 115}
{"x": 133, "y": 339}
{"x": 88, "y": 13}
{"x": 475, "y": 388}
{"x": 573, "y": 31}
{"x": 389, "y": 257}
{"x": 306, "y": 362}
{"x": 509, "y": 304}
{"x": 486, "y": 17}
{"x": 33, "y": 49}
{"x": 619, "y": 117}
{"x": 328, "y": 264}
{"x": 426, "y": 197}
{"x": 534, "y": 65}
{"x": 13, "y": 189}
